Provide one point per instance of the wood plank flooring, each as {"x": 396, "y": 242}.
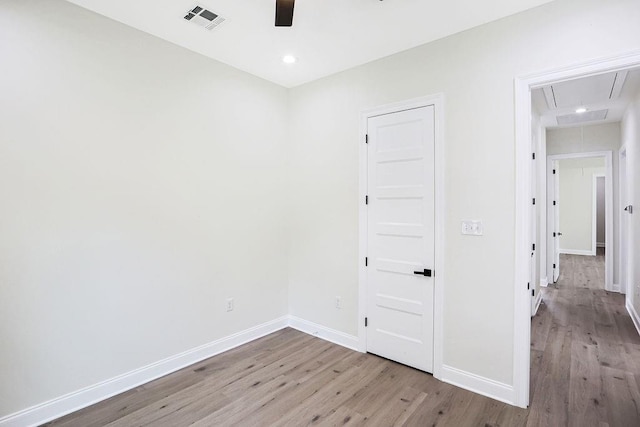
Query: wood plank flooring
{"x": 585, "y": 372}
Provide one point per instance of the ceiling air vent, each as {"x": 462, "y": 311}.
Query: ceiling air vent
{"x": 589, "y": 116}
{"x": 204, "y": 18}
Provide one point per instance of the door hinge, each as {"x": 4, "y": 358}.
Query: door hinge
{"x": 554, "y": 171}
{"x": 366, "y": 139}
{"x": 366, "y": 200}
{"x": 528, "y": 285}
{"x": 554, "y": 266}
{"x": 366, "y": 322}
{"x": 534, "y": 246}
{"x": 366, "y": 261}
{"x": 533, "y": 155}
{"x": 534, "y": 200}
{"x": 554, "y": 234}
{"x": 533, "y": 292}
{"x": 554, "y": 203}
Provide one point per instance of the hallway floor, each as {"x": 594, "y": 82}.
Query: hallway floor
{"x": 585, "y": 352}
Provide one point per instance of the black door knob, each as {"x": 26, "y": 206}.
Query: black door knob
{"x": 424, "y": 272}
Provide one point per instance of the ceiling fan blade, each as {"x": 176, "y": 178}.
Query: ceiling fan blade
{"x": 284, "y": 13}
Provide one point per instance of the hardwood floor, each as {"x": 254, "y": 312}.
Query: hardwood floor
{"x": 585, "y": 372}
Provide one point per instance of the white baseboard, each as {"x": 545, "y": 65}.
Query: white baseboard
{"x": 74, "y": 401}
{"x": 544, "y": 282}
{"x": 576, "y": 252}
{"x": 71, "y": 402}
{"x": 537, "y": 304}
{"x": 634, "y": 315}
{"x": 616, "y": 288}
{"x": 477, "y": 384}
{"x": 349, "y": 341}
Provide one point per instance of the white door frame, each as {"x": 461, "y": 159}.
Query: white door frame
{"x": 437, "y": 101}
{"x": 594, "y": 215}
{"x": 523, "y": 86}
{"x": 624, "y": 241}
{"x": 608, "y": 210}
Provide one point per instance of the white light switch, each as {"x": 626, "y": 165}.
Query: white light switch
{"x": 472, "y": 228}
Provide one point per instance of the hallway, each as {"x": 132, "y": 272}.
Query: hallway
{"x": 585, "y": 352}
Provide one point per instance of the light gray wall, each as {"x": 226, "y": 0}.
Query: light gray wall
{"x": 576, "y": 202}
{"x": 141, "y": 184}
{"x": 475, "y": 70}
{"x": 585, "y": 139}
{"x": 600, "y": 211}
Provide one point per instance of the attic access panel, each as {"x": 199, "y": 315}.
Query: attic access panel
{"x": 596, "y": 89}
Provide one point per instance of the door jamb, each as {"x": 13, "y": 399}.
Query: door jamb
{"x": 623, "y": 181}
{"x": 523, "y": 86}
{"x": 437, "y": 100}
{"x": 594, "y": 214}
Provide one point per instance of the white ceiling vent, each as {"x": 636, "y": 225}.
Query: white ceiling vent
{"x": 203, "y": 17}
{"x": 589, "y": 116}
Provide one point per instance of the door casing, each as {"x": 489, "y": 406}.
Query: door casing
{"x": 437, "y": 101}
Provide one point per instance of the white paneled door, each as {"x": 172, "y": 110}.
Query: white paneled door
{"x": 400, "y": 236}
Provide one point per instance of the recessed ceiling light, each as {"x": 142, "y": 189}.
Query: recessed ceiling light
{"x": 581, "y": 110}
{"x": 289, "y": 59}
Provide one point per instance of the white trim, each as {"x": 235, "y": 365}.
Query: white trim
{"x": 616, "y": 288}
{"x": 478, "y": 384}
{"x": 624, "y": 228}
{"x": 437, "y": 101}
{"x": 345, "y": 340}
{"x": 523, "y": 86}
{"x": 576, "y": 252}
{"x": 538, "y": 301}
{"x": 544, "y": 282}
{"x": 634, "y": 315}
{"x": 594, "y": 214}
{"x": 84, "y": 397}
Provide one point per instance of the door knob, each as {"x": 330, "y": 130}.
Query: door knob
{"x": 424, "y": 272}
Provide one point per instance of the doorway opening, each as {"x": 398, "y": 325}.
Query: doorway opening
{"x": 572, "y": 201}
{"x": 526, "y": 171}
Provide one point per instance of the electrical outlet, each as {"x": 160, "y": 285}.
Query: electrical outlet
{"x": 338, "y": 303}
{"x": 229, "y": 304}
{"x": 472, "y": 228}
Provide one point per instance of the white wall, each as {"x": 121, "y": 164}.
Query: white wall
{"x": 631, "y": 140}
{"x": 141, "y": 184}
{"x": 475, "y": 70}
{"x": 585, "y": 139}
{"x": 600, "y": 211}
{"x": 576, "y": 202}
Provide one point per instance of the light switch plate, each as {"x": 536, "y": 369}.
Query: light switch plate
{"x": 472, "y": 227}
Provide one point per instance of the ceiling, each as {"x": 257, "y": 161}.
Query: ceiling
{"x": 605, "y": 98}
{"x": 327, "y": 36}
